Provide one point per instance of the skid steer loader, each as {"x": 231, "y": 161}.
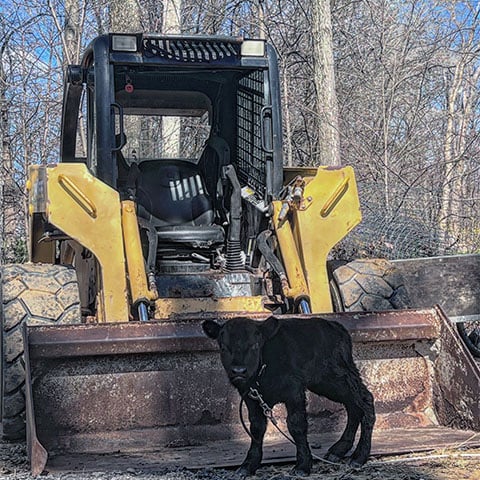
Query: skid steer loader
{"x": 180, "y": 210}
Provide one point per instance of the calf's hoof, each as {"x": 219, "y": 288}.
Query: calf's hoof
{"x": 359, "y": 457}
{"x": 241, "y": 472}
{"x": 244, "y": 471}
{"x": 300, "y": 472}
{"x": 356, "y": 463}
{"x": 302, "y": 469}
{"x": 331, "y": 457}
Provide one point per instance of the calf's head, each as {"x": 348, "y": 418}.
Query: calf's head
{"x": 241, "y": 341}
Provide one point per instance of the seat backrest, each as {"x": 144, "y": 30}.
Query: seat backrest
{"x": 215, "y": 156}
{"x": 173, "y": 192}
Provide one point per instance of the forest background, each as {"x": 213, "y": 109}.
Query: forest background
{"x": 402, "y": 106}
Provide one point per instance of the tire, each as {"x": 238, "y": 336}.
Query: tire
{"x": 368, "y": 285}
{"x": 35, "y": 294}
{"x": 470, "y": 333}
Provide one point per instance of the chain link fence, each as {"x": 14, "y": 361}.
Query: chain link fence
{"x": 411, "y": 232}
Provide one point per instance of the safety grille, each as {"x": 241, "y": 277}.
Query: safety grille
{"x": 250, "y": 155}
{"x": 192, "y": 50}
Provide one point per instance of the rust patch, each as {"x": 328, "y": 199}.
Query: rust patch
{"x": 134, "y": 386}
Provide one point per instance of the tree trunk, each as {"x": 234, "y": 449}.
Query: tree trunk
{"x": 71, "y": 32}
{"x": 171, "y": 125}
{"x": 328, "y": 145}
{"x": 460, "y": 104}
{"x": 71, "y": 55}
{"x": 6, "y": 175}
{"x": 125, "y": 16}
{"x": 459, "y": 112}
{"x": 11, "y": 196}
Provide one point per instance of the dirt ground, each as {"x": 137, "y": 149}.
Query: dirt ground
{"x": 440, "y": 465}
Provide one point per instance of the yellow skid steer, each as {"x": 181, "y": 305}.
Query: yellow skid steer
{"x": 178, "y": 209}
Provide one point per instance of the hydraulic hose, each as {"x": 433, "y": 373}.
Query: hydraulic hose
{"x": 267, "y": 251}
{"x": 302, "y": 303}
{"x": 234, "y": 252}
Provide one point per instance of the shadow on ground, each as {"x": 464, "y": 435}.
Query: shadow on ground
{"x": 456, "y": 465}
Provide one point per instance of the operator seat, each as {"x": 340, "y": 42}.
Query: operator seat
{"x": 171, "y": 195}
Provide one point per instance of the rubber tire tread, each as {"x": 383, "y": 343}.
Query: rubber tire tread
{"x": 370, "y": 285}
{"x": 466, "y": 332}
{"x": 36, "y": 294}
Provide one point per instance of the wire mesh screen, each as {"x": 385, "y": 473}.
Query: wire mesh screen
{"x": 392, "y": 237}
{"x": 408, "y": 231}
{"x": 250, "y": 155}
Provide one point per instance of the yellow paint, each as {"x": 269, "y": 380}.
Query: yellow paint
{"x": 39, "y": 250}
{"x": 88, "y": 210}
{"x": 91, "y": 213}
{"x": 36, "y": 189}
{"x": 137, "y": 275}
{"x": 333, "y": 211}
{"x": 335, "y": 197}
{"x": 76, "y": 193}
{"x": 167, "y": 307}
{"x": 296, "y": 278}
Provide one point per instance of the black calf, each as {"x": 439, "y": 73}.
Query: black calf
{"x": 283, "y": 358}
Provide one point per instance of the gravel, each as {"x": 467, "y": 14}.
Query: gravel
{"x": 450, "y": 465}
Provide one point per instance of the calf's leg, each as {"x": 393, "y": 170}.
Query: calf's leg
{"x": 297, "y": 426}
{"x": 358, "y": 401}
{"x": 339, "y": 449}
{"x": 361, "y": 453}
{"x": 258, "y": 426}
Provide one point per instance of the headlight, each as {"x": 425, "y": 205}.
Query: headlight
{"x": 253, "y": 48}
{"x": 124, "y": 43}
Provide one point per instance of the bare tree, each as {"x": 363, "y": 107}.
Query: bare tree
{"x": 171, "y": 125}
{"x": 125, "y": 16}
{"x": 406, "y": 83}
{"x": 7, "y": 185}
{"x": 324, "y": 78}
{"x": 408, "y": 103}
{"x": 25, "y": 129}
{"x": 460, "y": 100}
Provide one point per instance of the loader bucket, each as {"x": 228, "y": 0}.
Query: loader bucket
{"x": 154, "y": 394}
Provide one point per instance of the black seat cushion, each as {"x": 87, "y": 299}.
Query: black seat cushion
{"x": 172, "y": 192}
{"x": 172, "y": 196}
{"x": 194, "y": 237}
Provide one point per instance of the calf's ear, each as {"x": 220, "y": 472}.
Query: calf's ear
{"x": 269, "y": 327}
{"x": 211, "y": 328}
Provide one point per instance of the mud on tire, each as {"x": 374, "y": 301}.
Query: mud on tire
{"x": 36, "y": 294}
{"x": 369, "y": 285}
